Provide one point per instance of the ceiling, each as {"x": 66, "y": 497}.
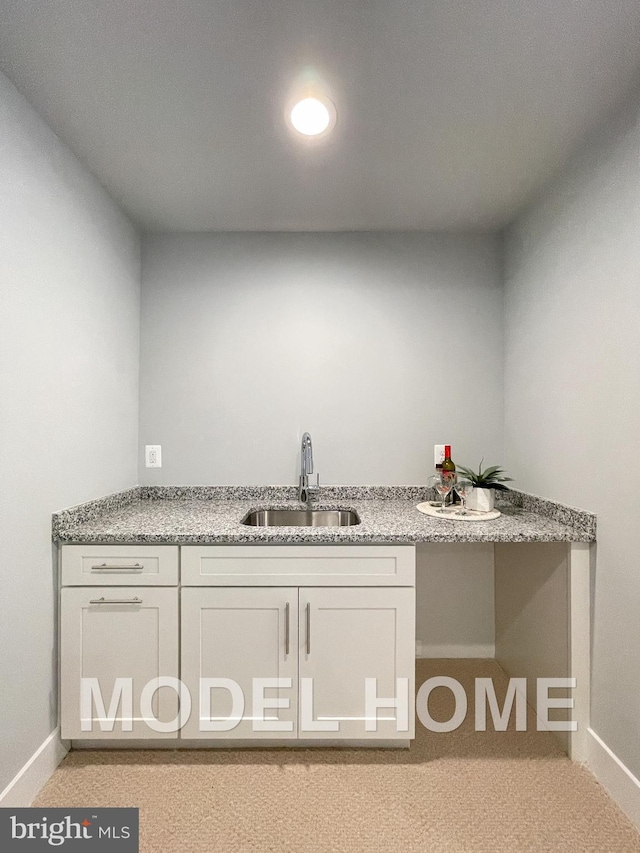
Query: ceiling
{"x": 451, "y": 113}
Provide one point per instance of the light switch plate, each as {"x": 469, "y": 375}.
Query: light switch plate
{"x": 438, "y": 454}
{"x": 153, "y": 456}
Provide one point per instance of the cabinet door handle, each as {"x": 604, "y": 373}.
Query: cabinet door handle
{"x": 287, "y": 614}
{"x": 103, "y": 567}
{"x": 104, "y": 600}
{"x": 308, "y": 628}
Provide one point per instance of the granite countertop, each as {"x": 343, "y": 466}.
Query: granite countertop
{"x": 213, "y": 514}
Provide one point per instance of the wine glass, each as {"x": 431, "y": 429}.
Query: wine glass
{"x": 442, "y": 483}
{"x": 463, "y": 487}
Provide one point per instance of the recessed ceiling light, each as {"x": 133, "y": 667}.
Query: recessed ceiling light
{"x": 312, "y": 116}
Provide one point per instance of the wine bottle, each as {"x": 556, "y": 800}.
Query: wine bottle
{"x": 449, "y": 470}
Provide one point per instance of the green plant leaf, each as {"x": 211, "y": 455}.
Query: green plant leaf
{"x": 466, "y": 471}
{"x": 491, "y": 478}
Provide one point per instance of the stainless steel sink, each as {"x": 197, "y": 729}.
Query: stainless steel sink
{"x": 302, "y": 518}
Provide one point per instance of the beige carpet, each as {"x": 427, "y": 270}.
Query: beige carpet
{"x": 450, "y": 793}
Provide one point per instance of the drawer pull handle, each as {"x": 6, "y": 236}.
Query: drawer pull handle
{"x": 308, "y": 628}
{"x": 104, "y": 600}
{"x": 287, "y": 610}
{"x": 103, "y": 567}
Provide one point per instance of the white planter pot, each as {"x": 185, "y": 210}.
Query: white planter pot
{"x": 481, "y": 499}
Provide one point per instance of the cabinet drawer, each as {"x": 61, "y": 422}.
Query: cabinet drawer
{"x": 119, "y": 565}
{"x": 298, "y": 565}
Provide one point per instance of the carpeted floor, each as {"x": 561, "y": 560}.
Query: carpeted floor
{"x": 461, "y": 792}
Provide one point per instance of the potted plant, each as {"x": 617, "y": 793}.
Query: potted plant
{"x": 485, "y": 484}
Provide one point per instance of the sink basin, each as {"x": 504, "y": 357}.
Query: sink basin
{"x": 302, "y": 518}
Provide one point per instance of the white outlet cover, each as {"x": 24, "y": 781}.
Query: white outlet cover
{"x": 438, "y": 454}
{"x": 153, "y": 456}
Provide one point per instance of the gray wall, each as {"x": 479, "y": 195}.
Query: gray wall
{"x": 69, "y": 336}
{"x": 572, "y": 390}
{"x": 379, "y": 344}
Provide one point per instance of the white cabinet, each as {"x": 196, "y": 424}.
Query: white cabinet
{"x": 110, "y": 633}
{"x": 348, "y": 636}
{"x": 240, "y": 635}
{"x": 283, "y": 636}
{"x": 322, "y": 642}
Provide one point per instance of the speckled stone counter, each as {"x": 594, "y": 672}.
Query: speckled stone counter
{"x": 213, "y": 514}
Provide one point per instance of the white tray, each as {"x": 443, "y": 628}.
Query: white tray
{"x": 451, "y": 515}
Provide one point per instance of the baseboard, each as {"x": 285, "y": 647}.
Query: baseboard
{"x": 618, "y": 781}
{"x": 431, "y": 650}
{"x": 22, "y": 790}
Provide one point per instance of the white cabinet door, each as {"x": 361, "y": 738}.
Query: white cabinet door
{"x": 241, "y": 635}
{"x": 110, "y": 633}
{"x": 346, "y": 636}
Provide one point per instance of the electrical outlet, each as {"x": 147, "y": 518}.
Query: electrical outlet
{"x": 438, "y": 454}
{"x": 153, "y": 456}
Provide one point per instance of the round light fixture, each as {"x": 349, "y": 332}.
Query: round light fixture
{"x": 312, "y": 117}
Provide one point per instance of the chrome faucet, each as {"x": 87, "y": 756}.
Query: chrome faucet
{"x": 306, "y": 467}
